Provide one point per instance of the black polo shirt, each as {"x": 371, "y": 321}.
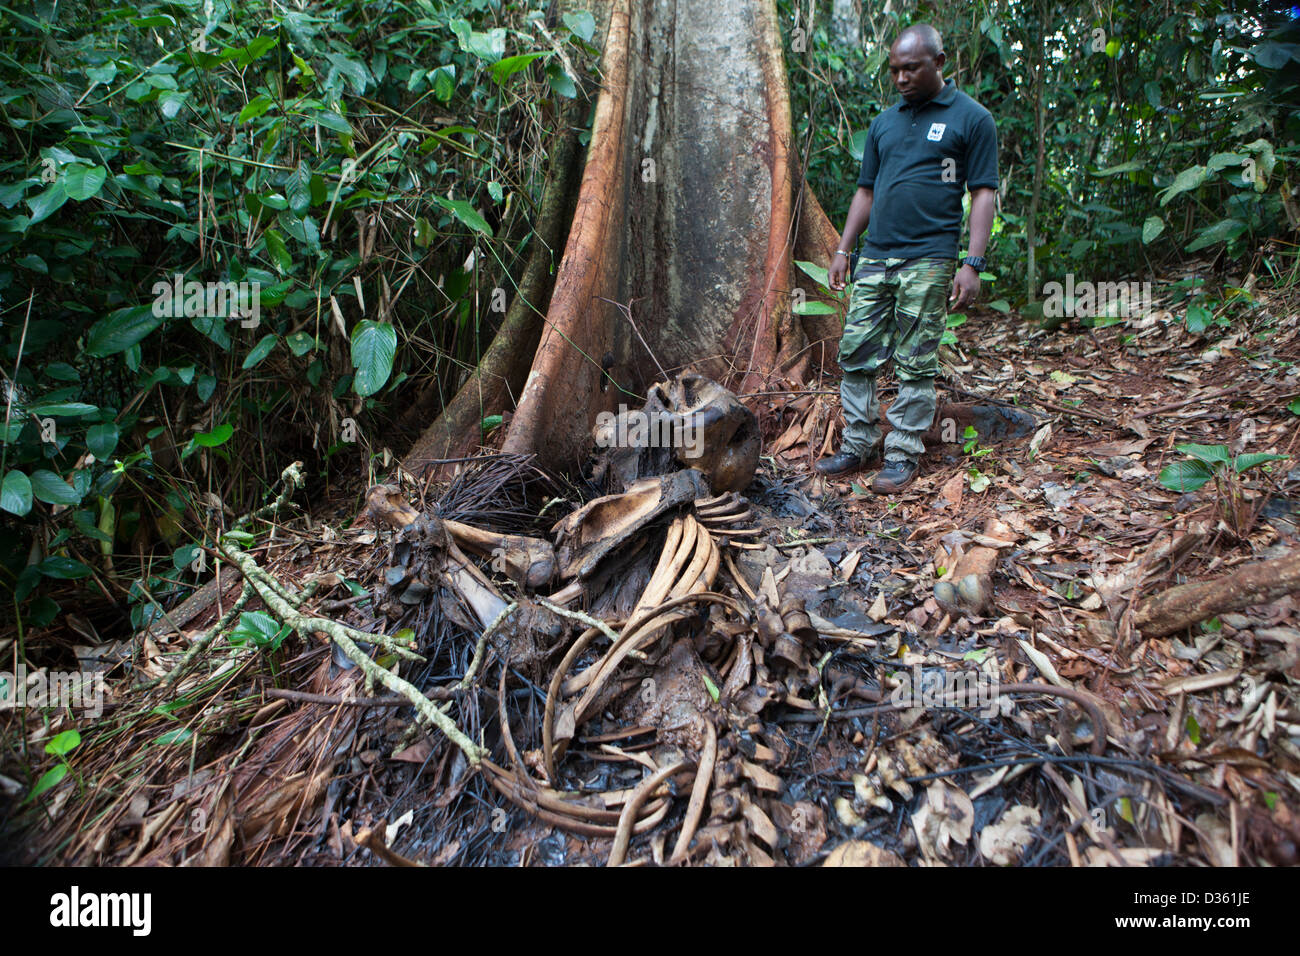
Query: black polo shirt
{"x": 917, "y": 160}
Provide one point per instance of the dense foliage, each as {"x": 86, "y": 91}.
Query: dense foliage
{"x": 235, "y": 234}
{"x": 218, "y": 222}
{"x": 1148, "y": 133}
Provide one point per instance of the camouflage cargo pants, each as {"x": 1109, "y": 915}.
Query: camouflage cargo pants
{"x": 897, "y": 309}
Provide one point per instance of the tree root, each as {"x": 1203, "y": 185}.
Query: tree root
{"x": 1187, "y": 604}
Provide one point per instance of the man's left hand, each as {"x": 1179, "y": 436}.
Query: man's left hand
{"x": 965, "y": 287}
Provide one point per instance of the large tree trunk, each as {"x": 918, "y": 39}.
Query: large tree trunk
{"x": 682, "y": 235}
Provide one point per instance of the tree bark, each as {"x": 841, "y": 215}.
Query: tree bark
{"x": 684, "y": 225}
{"x": 1187, "y": 604}
{"x": 685, "y": 216}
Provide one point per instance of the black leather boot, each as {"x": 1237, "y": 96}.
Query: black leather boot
{"x": 895, "y": 476}
{"x": 845, "y": 463}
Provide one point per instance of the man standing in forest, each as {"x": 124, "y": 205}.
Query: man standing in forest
{"x": 918, "y": 156}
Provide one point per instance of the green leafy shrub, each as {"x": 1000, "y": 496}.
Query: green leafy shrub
{"x": 223, "y": 228}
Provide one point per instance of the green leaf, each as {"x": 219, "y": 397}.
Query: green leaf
{"x": 858, "y": 145}
{"x": 513, "y": 64}
{"x": 64, "y": 569}
{"x": 444, "y": 84}
{"x": 1210, "y": 454}
{"x": 255, "y": 107}
{"x": 1132, "y": 166}
{"x": 46, "y": 203}
{"x": 63, "y": 744}
{"x": 1153, "y": 226}
{"x": 51, "y": 778}
{"x": 1185, "y": 181}
{"x": 181, "y": 735}
{"x": 207, "y": 384}
{"x": 256, "y": 48}
{"x": 278, "y": 251}
{"x": 121, "y": 329}
{"x": 357, "y": 73}
{"x": 711, "y": 687}
{"x": 1254, "y": 460}
{"x": 304, "y": 229}
{"x": 1184, "y": 476}
{"x": 1264, "y": 163}
{"x": 64, "y": 409}
{"x": 42, "y": 612}
{"x": 16, "y": 494}
{"x": 258, "y": 629}
{"x": 102, "y": 75}
{"x": 170, "y": 103}
{"x": 298, "y": 189}
{"x": 1198, "y": 317}
{"x": 560, "y": 82}
{"x": 1273, "y": 56}
{"x": 63, "y": 372}
{"x": 218, "y": 436}
{"x": 300, "y": 343}
{"x": 582, "y": 23}
{"x": 491, "y": 422}
{"x": 1293, "y": 406}
{"x": 332, "y": 121}
{"x": 813, "y": 307}
{"x": 466, "y": 213}
{"x": 489, "y": 46}
{"x": 374, "y": 347}
{"x": 83, "y": 182}
{"x": 1221, "y": 231}
{"x": 1220, "y": 160}
{"x": 822, "y": 276}
{"x": 259, "y": 351}
{"x": 424, "y": 233}
{"x": 50, "y": 488}
{"x": 153, "y": 22}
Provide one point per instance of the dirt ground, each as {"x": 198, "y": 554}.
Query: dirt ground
{"x": 819, "y": 756}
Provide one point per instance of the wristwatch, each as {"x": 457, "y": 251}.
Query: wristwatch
{"x": 975, "y": 262}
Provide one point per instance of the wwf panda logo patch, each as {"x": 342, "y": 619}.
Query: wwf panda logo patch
{"x": 936, "y": 132}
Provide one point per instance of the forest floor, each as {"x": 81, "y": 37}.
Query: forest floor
{"x": 1202, "y": 760}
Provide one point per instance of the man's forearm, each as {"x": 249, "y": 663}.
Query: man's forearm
{"x": 857, "y": 219}
{"x": 981, "y": 220}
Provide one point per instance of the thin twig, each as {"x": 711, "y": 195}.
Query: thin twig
{"x": 627, "y": 314}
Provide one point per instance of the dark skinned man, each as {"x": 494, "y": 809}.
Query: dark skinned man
{"x": 919, "y": 156}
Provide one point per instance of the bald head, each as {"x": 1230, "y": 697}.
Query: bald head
{"x": 924, "y": 35}
{"x": 916, "y": 62}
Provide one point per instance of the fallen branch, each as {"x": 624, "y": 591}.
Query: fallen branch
{"x": 1187, "y": 604}
{"x": 347, "y": 637}
{"x": 1173, "y": 406}
{"x": 204, "y": 641}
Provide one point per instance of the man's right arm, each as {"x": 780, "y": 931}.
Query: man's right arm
{"x": 854, "y": 224}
